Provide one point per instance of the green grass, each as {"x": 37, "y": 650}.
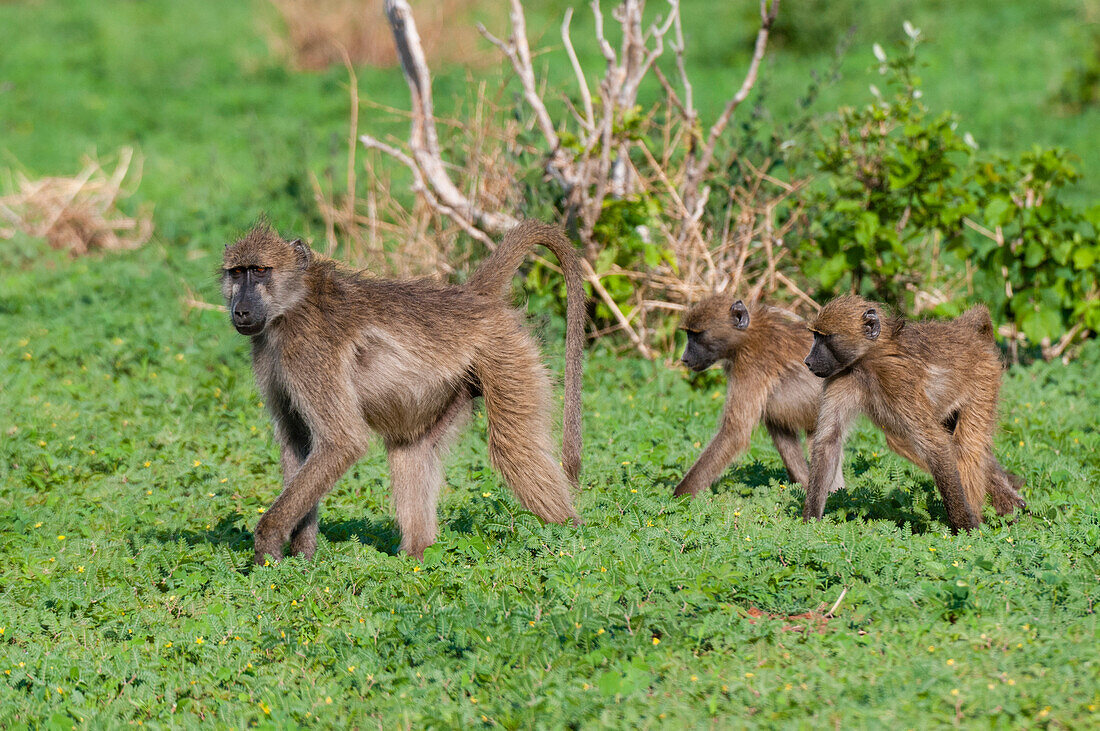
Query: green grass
{"x": 135, "y": 432}
{"x": 130, "y": 426}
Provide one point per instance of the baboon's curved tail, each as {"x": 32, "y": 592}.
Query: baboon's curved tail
{"x": 493, "y": 279}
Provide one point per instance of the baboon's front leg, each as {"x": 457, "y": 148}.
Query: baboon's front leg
{"x": 732, "y": 439}
{"x": 325, "y": 464}
{"x": 840, "y": 402}
{"x": 790, "y": 451}
{"x": 294, "y": 438}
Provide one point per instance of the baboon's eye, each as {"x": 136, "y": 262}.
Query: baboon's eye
{"x": 236, "y": 272}
{"x": 260, "y": 270}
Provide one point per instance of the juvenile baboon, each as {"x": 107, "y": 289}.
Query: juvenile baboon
{"x": 761, "y": 349}
{"x": 930, "y": 386}
{"x": 338, "y": 355}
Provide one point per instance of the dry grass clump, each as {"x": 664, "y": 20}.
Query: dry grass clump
{"x": 320, "y": 31}
{"x": 77, "y": 214}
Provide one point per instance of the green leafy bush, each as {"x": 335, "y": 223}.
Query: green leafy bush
{"x": 907, "y": 210}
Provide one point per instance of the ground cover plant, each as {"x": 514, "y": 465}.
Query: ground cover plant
{"x": 135, "y": 456}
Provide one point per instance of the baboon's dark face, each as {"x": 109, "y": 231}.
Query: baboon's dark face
{"x": 714, "y": 329}
{"x": 701, "y": 352}
{"x": 246, "y": 303}
{"x": 822, "y": 361}
{"x": 838, "y": 342}
{"x": 262, "y": 278}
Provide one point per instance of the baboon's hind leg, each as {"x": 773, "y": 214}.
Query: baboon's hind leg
{"x": 790, "y": 451}
{"x": 517, "y": 396}
{"x": 1004, "y": 489}
{"x": 978, "y": 470}
{"x": 416, "y": 475}
{"x": 303, "y": 539}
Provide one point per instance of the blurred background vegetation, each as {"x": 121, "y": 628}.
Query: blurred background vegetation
{"x": 236, "y": 110}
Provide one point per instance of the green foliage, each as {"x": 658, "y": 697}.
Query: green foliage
{"x": 1051, "y": 248}
{"x": 902, "y": 187}
{"x": 151, "y": 455}
{"x": 892, "y": 187}
{"x": 111, "y": 391}
{"x": 1080, "y": 87}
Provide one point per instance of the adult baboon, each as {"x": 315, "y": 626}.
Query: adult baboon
{"x": 338, "y": 355}
{"x": 930, "y": 386}
{"x": 761, "y": 349}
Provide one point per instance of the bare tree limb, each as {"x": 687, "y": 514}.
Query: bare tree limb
{"x": 586, "y": 95}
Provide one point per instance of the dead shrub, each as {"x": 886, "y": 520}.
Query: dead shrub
{"x": 78, "y": 214}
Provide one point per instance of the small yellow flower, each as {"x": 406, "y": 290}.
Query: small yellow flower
{"x": 147, "y": 464}
{"x": 950, "y": 661}
{"x": 634, "y": 489}
{"x": 167, "y": 644}
{"x": 954, "y": 691}
{"x": 932, "y": 549}
{"x": 486, "y": 494}
{"x": 179, "y": 356}
{"x": 328, "y": 699}
{"x": 199, "y": 640}
{"x": 473, "y": 700}
{"x": 41, "y": 443}
{"x": 61, "y": 538}
{"x": 148, "y": 492}
{"x": 603, "y": 569}
{"x": 656, "y": 640}
{"x": 259, "y": 510}
{"x": 1011, "y": 681}
{"x": 224, "y": 480}
{"x": 488, "y": 638}
{"x": 351, "y": 668}
{"x": 750, "y": 675}
{"x": 625, "y": 464}
{"x": 600, "y": 631}
{"x": 415, "y": 569}
{"x": 196, "y": 463}
{"x": 931, "y": 648}
{"x": 79, "y": 569}
{"x": 694, "y": 678}
{"x": 531, "y": 623}
{"x": 38, "y": 524}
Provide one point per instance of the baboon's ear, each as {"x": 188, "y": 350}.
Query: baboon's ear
{"x": 871, "y": 326}
{"x": 304, "y": 253}
{"x": 740, "y": 315}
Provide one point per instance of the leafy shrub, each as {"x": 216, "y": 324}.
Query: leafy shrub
{"x": 907, "y": 210}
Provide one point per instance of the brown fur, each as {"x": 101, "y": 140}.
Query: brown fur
{"x": 765, "y": 381}
{"x": 932, "y": 387}
{"x": 339, "y": 355}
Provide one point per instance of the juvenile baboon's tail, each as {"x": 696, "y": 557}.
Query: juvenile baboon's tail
{"x": 493, "y": 279}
